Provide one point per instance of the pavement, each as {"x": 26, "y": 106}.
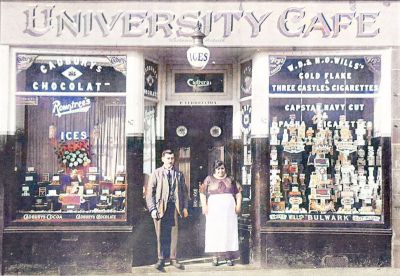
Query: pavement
{"x": 206, "y": 269}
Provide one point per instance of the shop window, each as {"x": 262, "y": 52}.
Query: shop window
{"x": 70, "y": 146}
{"x": 326, "y": 145}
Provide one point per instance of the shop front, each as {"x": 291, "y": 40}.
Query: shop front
{"x": 296, "y": 99}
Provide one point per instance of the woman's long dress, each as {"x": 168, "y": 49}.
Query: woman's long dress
{"x": 221, "y": 220}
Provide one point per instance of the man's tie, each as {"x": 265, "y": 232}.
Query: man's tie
{"x": 169, "y": 177}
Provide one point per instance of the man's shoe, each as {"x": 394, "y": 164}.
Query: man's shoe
{"x": 159, "y": 265}
{"x": 215, "y": 261}
{"x": 177, "y": 264}
{"x": 229, "y": 262}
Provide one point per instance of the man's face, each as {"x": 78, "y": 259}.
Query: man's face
{"x": 168, "y": 160}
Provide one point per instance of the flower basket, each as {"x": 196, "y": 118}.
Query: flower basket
{"x": 74, "y": 154}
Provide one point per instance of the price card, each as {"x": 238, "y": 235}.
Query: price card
{"x": 29, "y": 178}
{"x": 56, "y": 178}
{"x": 52, "y": 192}
{"x": 118, "y": 193}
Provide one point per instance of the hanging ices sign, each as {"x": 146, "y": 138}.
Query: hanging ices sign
{"x": 198, "y": 56}
{"x": 291, "y": 22}
{"x": 83, "y": 74}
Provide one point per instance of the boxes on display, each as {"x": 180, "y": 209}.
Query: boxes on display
{"x": 40, "y": 200}
{"x": 120, "y": 182}
{"x": 78, "y": 191}
{"x": 118, "y": 197}
{"x": 91, "y": 191}
{"x": 91, "y": 187}
{"x": 324, "y": 169}
{"x": 106, "y": 187}
{"x": 105, "y": 202}
{"x": 70, "y": 202}
{"x": 30, "y": 185}
{"x": 54, "y": 187}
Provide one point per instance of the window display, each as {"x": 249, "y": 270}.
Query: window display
{"x": 325, "y": 152}
{"x": 70, "y": 148}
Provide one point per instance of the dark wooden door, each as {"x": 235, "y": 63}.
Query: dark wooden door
{"x": 208, "y": 129}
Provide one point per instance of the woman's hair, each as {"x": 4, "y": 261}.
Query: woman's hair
{"x": 217, "y": 164}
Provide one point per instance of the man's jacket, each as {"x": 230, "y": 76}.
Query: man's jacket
{"x": 157, "y": 192}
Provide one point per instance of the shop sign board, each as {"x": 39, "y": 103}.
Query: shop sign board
{"x": 199, "y": 83}
{"x": 50, "y": 216}
{"x": 82, "y": 74}
{"x": 158, "y": 23}
{"x": 324, "y": 74}
{"x": 324, "y": 217}
{"x": 27, "y": 100}
{"x": 304, "y": 110}
{"x": 150, "y": 79}
{"x": 245, "y": 78}
{"x": 70, "y": 105}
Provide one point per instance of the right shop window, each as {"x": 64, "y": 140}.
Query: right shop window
{"x": 325, "y": 139}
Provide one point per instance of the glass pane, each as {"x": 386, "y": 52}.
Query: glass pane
{"x": 71, "y": 158}
{"x": 326, "y": 160}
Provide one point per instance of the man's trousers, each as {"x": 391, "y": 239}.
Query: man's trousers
{"x": 167, "y": 233}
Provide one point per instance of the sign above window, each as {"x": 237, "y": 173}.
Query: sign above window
{"x": 324, "y": 74}
{"x": 150, "y": 79}
{"x": 199, "y": 83}
{"x": 82, "y": 74}
{"x": 245, "y": 78}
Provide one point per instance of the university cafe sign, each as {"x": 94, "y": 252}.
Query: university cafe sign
{"x": 160, "y": 24}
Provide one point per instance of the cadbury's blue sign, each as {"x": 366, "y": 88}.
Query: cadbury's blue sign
{"x": 324, "y": 74}
{"x": 83, "y": 74}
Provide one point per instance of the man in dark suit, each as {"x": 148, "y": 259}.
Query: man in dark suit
{"x": 166, "y": 199}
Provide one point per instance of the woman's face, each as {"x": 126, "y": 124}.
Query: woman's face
{"x": 220, "y": 171}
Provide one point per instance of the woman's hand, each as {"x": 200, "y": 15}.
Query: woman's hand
{"x": 237, "y": 209}
{"x": 205, "y": 210}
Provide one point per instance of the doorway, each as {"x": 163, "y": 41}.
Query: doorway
{"x": 198, "y": 135}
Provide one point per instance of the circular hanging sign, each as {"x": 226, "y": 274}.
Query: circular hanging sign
{"x": 181, "y": 131}
{"x": 215, "y": 131}
{"x": 246, "y": 119}
{"x": 198, "y": 56}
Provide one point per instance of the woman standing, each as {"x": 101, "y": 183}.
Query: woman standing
{"x": 221, "y": 200}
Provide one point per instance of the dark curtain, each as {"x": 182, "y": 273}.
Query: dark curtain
{"x": 107, "y": 147}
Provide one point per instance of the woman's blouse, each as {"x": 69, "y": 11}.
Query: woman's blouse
{"x": 227, "y": 185}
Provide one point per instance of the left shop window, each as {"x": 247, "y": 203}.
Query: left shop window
{"x": 70, "y": 146}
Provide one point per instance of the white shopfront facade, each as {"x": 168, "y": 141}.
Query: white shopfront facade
{"x": 133, "y": 35}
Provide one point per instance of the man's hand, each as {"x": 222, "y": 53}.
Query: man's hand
{"x": 154, "y": 214}
{"x": 185, "y": 213}
{"x": 205, "y": 210}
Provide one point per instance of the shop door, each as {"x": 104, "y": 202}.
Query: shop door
{"x": 199, "y": 136}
